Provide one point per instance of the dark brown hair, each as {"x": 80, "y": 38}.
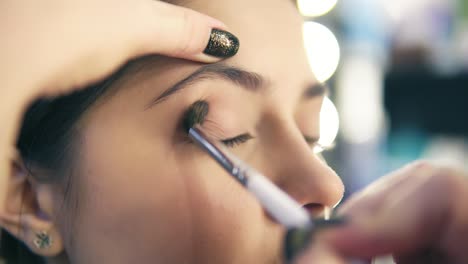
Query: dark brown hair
{"x": 46, "y": 143}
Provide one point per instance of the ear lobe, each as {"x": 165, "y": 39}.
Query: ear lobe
{"x": 40, "y": 236}
{"x": 24, "y": 216}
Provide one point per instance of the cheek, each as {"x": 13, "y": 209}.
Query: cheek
{"x": 130, "y": 198}
{"x": 138, "y": 192}
{"x": 227, "y": 221}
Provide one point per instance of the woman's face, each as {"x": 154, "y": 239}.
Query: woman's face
{"x": 146, "y": 195}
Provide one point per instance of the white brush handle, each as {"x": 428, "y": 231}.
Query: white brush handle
{"x": 278, "y": 204}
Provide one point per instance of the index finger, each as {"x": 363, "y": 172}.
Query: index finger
{"x": 177, "y": 31}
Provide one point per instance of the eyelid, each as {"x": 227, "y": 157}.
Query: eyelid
{"x": 218, "y": 131}
{"x": 311, "y": 140}
{"x": 222, "y": 124}
{"x": 237, "y": 140}
{"x": 315, "y": 144}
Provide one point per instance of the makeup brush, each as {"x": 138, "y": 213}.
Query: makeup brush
{"x": 195, "y": 115}
{"x": 281, "y": 207}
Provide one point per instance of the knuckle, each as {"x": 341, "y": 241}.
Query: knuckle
{"x": 422, "y": 165}
{"x": 445, "y": 181}
{"x": 442, "y": 176}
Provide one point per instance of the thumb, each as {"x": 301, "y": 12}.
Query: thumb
{"x": 184, "y": 33}
{"x": 402, "y": 226}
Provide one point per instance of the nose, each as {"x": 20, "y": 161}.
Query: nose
{"x": 295, "y": 168}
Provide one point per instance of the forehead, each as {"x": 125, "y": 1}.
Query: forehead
{"x": 270, "y": 33}
{"x": 271, "y": 44}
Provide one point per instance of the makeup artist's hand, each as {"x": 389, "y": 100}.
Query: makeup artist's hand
{"x": 51, "y": 47}
{"x": 419, "y": 214}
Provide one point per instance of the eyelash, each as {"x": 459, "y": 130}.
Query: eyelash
{"x": 238, "y": 140}
{"x": 197, "y": 112}
{"x": 235, "y": 141}
{"x": 316, "y": 146}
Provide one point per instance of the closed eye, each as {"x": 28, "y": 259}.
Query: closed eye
{"x": 235, "y": 141}
{"x": 315, "y": 144}
{"x": 312, "y": 141}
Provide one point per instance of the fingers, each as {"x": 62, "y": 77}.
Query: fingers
{"x": 376, "y": 194}
{"x": 415, "y": 209}
{"x": 98, "y": 45}
{"x": 181, "y": 32}
{"x": 319, "y": 254}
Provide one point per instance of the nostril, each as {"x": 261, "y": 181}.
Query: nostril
{"x": 315, "y": 209}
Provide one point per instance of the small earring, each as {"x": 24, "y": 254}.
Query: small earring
{"x": 43, "y": 240}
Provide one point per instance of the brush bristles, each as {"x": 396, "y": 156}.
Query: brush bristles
{"x": 195, "y": 115}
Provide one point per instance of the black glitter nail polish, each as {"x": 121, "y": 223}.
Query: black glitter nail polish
{"x": 222, "y": 44}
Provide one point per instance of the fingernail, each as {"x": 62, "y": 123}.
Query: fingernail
{"x": 297, "y": 239}
{"x": 222, "y": 44}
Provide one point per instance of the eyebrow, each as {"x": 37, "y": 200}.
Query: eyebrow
{"x": 246, "y": 79}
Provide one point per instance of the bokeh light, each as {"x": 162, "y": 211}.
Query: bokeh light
{"x": 323, "y": 51}
{"x": 329, "y": 123}
{"x": 315, "y": 8}
{"x": 359, "y": 99}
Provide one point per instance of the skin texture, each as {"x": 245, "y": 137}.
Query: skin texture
{"x": 145, "y": 195}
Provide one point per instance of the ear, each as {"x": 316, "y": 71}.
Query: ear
{"x": 28, "y": 212}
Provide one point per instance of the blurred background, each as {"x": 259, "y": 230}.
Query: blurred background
{"x": 398, "y": 77}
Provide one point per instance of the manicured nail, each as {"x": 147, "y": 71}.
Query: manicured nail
{"x": 298, "y": 239}
{"x": 222, "y": 44}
